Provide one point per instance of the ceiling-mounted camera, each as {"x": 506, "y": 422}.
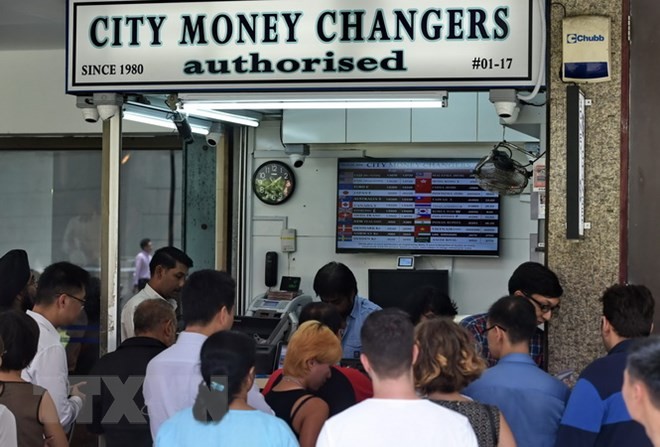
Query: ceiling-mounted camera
{"x": 297, "y": 153}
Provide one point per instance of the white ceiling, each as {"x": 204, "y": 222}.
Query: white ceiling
{"x": 32, "y": 24}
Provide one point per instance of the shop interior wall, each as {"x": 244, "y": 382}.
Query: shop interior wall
{"x": 474, "y": 282}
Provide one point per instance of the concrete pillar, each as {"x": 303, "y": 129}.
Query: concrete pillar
{"x": 590, "y": 265}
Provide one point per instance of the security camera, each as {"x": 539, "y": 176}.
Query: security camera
{"x": 296, "y": 153}
{"x": 297, "y": 160}
{"x": 506, "y": 109}
{"x": 506, "y": 104}
{"x": 90, "y": 114}
{"x": 108, "y": 104}
{"x": 107, "y": 111}
{"x": 214, "y": 135}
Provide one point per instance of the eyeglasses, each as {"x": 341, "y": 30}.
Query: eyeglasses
{"x": 490, "y": 328}
{"x": 545, "y": 308}
{"x": 81, "y": 301}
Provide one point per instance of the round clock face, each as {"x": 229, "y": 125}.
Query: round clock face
{"x": 273, "y": 182}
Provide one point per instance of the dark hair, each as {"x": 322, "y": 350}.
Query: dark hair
{"x": 629, "y": 309}
{"x": 144, "y": 242}
{"x": 225, "y": 355}
{"x": 321, "y": 312}
{"x": 514, "y": 315}
{"x": 61, "y": 277}
{"x": 387, "y": 338}
{"x": 643, "y": 364}
{"x": 335, "y": 280}
{"x": 20, "y": 334}
{"x": 448, "y": 360}
{"x": 205, "y": 293}
{"x": 426, "y": 299}
{"x": 149, "y": 314}
{"x": 168, "y": 257}
{"x": 534, "y": 278}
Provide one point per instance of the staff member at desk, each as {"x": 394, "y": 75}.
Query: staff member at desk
{"x": 335, "y": 284}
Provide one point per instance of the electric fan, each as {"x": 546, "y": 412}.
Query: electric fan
{"x": 499, "y": 172}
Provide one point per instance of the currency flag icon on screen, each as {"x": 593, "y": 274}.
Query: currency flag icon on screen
{"x": 423, "y": 184}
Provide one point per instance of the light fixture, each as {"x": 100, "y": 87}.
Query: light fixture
{"x": 161, "y": 121}
{"x": 208, "y": 112}
{"x": 316, "y": 100}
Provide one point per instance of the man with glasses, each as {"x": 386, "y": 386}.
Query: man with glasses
{"x": 531, "y": 400}
{"x": 535, "y": 283}
{"x": 596, "y": 414}
{"x": 60, "y": 298}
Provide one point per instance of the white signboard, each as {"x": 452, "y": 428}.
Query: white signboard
{"x": 293, "y": 45}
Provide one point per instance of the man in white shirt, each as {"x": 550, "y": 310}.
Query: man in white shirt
{"x": 395, "y": 416}
{"x": 169, "y": 269}
{"x": 60, "y": 298}
{"x": 173, "y": 376}
{"x": 142, "y": 273}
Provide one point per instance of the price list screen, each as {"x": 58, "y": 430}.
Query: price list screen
{"x": 422, "y": 206}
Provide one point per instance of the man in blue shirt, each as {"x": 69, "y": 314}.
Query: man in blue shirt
{"x": 335, "y": 284}
{"x": 531, "y": 400}
{"x": 596, "y": 414}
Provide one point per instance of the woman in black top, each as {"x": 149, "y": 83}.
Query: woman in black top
{"x": 312, "y": 350}
{"x": 447, "y": 363}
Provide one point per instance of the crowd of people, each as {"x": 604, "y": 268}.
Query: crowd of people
{"x": 181, "y": 376}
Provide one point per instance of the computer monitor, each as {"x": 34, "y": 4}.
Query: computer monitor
{"x": 265, "y": 359}
{"x": 390, "y": 288}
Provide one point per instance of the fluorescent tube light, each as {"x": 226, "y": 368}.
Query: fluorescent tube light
{"x": 316, "y": 100}
{"x": 207, "y": 112}
{"x": 273, "y": 105}
{"x": 161, "y": 122}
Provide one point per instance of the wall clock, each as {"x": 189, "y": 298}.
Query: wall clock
{"x": 273, "y": 182}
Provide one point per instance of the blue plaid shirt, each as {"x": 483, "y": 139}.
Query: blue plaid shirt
{"x": 477, "y": 324}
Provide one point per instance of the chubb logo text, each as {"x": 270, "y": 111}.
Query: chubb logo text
{"x": 577, "y": 38}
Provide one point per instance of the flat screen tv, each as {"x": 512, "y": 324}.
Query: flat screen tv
{"x": 415, "y": 206}
{"x": 391, "y": 288}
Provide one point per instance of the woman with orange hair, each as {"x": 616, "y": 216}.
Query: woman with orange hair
{"x": 447, "y": 363}
{"x": 312, "y": 350}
